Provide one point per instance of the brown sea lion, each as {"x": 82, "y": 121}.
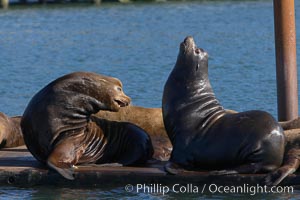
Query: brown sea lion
{"x": 10, "y": 131}
{"x": 59, "y": 131}
{"x": 203, "y": 135}
{"x": 291, "y": 124}
{"x": 149, "y": 119}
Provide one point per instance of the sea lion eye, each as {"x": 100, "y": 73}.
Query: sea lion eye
{"x": 119, "y": 89}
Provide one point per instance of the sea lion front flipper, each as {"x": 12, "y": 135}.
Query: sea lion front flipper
{"x": 65, "y": 155}
{"x": 173, "y": 168}
{"x": 290, "y": 165}
{"x": 68, "y": 173}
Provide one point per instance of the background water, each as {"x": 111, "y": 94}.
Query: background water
{"x": 137, "y": 43}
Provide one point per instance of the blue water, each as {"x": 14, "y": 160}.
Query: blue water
{"x": 54, "y": 193}
{"x": 138, "y": 43}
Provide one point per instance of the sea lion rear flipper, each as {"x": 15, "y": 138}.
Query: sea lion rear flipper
{"x": 68, "y": 173}
{"x": 290, "y": 165}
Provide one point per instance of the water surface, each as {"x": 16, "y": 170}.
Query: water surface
{"x": 137, "y": 43}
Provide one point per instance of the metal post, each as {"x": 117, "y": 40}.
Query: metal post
{"x": 286, "y": 64}
{"x": 4, "y": 4}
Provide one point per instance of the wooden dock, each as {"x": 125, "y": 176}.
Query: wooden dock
{"x": 4, "y": 4}
{"x": 19, "y": 168}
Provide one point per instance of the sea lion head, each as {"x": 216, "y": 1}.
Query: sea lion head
{"x": 105, "y": 90}
{"x": 111, "y": 94}
{"x": 116, "y": 96}
{"x": 192, "y": 61}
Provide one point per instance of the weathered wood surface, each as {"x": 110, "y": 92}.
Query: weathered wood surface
{"x": 19, "y": 168}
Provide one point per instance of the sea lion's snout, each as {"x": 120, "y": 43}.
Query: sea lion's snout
{"x": 187, "y": 45}
{"x": 189, "y": 41}
{"x": 122, "y": 102}
{"x": 120, "y": 99}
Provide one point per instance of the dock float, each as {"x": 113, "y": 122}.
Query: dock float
{"x": 19, "y": 168}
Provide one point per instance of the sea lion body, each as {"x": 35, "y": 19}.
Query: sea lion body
{"x": 10, "y": 131}
{"x": 150, "y": 120}
{"x": 131, "y": 140}
{"x": 58, "y": 128}
{"x": 233, "y": 140}
{"x": 203, "y": 135}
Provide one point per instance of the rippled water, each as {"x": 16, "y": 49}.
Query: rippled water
{"x": 54, "y": 193}
{"x": 137, "y": 43}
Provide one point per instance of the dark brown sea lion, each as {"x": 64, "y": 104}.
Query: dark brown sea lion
{"x": 203, "y": 135}
{"x": 59, "y": 131}
{"x": 10, "y": 131}
{"x": 149, "y": 119}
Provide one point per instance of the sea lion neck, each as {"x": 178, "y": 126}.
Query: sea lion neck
{"x": 191, "y": 68}
{"x": 188, "y": 90}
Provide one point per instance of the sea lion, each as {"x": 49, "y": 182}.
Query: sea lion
{"x": 59, "y": 130}
{"x": 291, "y": 124}
{"x": 203, "y": 135}
{"x": 10, "y": 131}
{"x": 149, "y": 119}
